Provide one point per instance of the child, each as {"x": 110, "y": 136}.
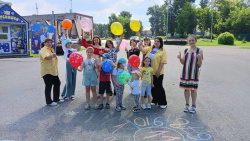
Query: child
{"x": 191, "y": 62}
{"x": 70, "y": 85}
{"x": 147, "y": 43}
{"x": 112, "y": 51}
{"x": 135, "y": 88}
{"x": 104, "y": 84}
{"x": 119, "y": 87}
{"x": 89, "y": 77}
{"x": 147, "y": 81}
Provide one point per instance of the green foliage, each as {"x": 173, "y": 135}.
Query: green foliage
{"x": 100, "y": 29}
{"x": 186, "y": 20}
{"x": 204, "y": 19}
{"x": 204, "y": 3}
{"x": 226, "y": 38}
{"x": 243, "y": 41}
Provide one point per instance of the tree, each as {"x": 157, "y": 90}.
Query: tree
{"x": 204, "y": 19}
{"x": 112, "y": 18}
{"x": 204, "y": 3}
{"x": 126, "y": 14}
{"x": 100, "y": 29}
{"x": 186, "y": 20}
{"x": 179, "y": 4}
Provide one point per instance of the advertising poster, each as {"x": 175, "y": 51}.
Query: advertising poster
{"x": 39, "y": 33}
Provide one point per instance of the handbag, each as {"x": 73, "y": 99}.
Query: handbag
{"x": 145, "y": 82}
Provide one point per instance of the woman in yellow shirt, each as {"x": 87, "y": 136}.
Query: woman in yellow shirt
{"x": 49, "y": 72}
{"x": 158, "y": 57}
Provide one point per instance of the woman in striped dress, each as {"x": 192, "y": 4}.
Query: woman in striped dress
{"x": 191, "y": 62}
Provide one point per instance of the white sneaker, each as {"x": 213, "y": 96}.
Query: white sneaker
{"x": 143, "y": 106}
{"x": 60, "y": 101}
{"x": 148, "y": 106}
{"x": 163, "y": 106}
{"x": 153, "y": 104}
{"x": 52, "y": 104}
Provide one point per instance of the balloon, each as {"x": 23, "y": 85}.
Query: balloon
{"x": 86, "y": 24}
{"x": 135, "y": 25}
{"x": 76, "y": 59}
{"x": 107, "y": 66}
{"x": 134, "y": 61}
{"x": 67, "y": 24}
{"x": 123, "y": 76}
{"x": 124, "y": 44}
{"x": 116, "y": 28}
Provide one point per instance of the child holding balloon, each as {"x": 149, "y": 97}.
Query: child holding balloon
{"x": 70, "y": 85}
{"x": 89, "y": 77}
{"x": 135, "y": 85}
{"x": 119, "y": 87}
{"x": 104, "y": 85}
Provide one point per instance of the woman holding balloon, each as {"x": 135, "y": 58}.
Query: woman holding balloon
{"x": 158, "y": 57}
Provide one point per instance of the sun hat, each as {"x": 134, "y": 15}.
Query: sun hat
{"x": 68, "y": 41}
{"x": 137, "y": 72}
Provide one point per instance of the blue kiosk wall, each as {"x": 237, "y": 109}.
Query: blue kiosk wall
{"x": 13, "y": 32}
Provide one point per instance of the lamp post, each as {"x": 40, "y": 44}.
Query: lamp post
{"x": 212, "y": 5}
{"x": 167, "y": 21}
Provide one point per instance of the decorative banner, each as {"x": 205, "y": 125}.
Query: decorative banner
{"x": 39, "y": 33}
{"x": 86, "y": 24}
{"x": 116, "y": 28}
{"x": 135, "y": 25}
{"x": 9, "y": 15}
{"x": 18, "y": 38}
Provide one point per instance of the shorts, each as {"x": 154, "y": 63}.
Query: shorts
{"x": 105, "y": 86}
{"x": 89, "y": 79}
{"x": 147, "y": 89}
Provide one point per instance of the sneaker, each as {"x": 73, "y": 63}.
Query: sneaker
{"x": 123, "y": 107}
{"x": 153, "y": 104}
{"x": 148, "y": 106}
{"x": 65, "y": 98}
{"x": 60, "y": 101}
{"x": 52, "y": 104}
{"x": 192, "y": 110}
{"x": 143, "y": 106}
{"x": 96, "y": 106}
{"x": 100, "y": 106}
{"x": 118, "y": 109}
{"x": 87, "y": 107}
{"x": 107, "y": 106}
{"x": 72, "y": 98}
{"x": 186, "y": 109}
{"x": 163, "y": 106}
{"x": 136, "y": 110}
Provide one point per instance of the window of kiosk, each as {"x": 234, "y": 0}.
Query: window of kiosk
{"x": 4, "y": 33}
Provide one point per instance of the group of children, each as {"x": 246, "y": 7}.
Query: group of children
{"x": 93, "y": 74}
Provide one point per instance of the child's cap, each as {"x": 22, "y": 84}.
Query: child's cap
{"x": 106, "y": 55}
{"x": 137, "y": 72}
{"x": 68, "y": 41}
{"x": 122, "y": 61}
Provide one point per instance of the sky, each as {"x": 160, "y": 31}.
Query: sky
{"x": 99, "y": 9}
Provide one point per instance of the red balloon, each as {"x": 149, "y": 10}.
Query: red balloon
{"x": 76, "y": 59}
{"x": 134, "y": 61}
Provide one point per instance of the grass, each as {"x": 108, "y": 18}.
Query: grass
{"x": 245, "y": 47}
{"x": 207, "y": 42}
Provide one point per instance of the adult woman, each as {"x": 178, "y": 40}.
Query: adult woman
{"x": 49, "y": 72}
{"x": 158, "y": 57}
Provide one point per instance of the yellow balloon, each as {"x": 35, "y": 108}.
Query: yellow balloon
{"x": 135, "y": 25}
{"x": 116, "y": 28}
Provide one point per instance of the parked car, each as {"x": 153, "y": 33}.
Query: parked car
{"x": 135, "y": 37}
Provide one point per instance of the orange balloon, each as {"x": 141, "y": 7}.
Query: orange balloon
{"x": 66, "y": 24}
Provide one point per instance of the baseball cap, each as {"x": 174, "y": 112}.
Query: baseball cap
{"x": 106, "y": 55}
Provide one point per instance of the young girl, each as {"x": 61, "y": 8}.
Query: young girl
{"x": 147, "y": 43}
{"x": 89, "y": 77}
{"x": 70, "y": 85}
{"x": 147, "y": 81}
{"x": 191, "y": 62}
{"x": 135, "y": 89}
{"x": 119, "y": 87}
{"x": 112, "y": 51}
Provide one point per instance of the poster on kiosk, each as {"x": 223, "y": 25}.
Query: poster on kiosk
{"x": 38, "y": 34}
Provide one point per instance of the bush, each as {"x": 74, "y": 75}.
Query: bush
{"x": 243, "y": 41}
{"x": 226, "y": 38}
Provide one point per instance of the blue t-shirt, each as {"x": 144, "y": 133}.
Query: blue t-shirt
{"x": 117, "y": 72}
{"x": 89, "y": 66}
{"x": 152, "y": 53}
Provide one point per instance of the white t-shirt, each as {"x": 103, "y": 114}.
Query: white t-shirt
{"x": 67, "y": 51}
